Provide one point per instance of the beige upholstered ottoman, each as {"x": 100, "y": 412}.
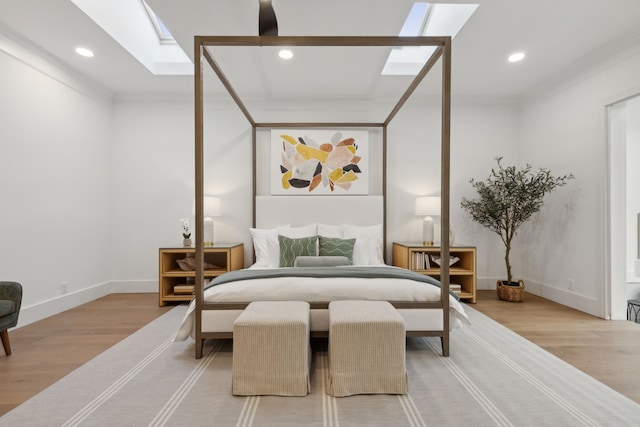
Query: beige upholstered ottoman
{"x": 367, "y": 348}
{"x": 271, "y": 349}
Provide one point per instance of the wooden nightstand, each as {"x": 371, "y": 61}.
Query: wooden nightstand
{"x": 176, "y": 284}
{"x": 417, "y": 257}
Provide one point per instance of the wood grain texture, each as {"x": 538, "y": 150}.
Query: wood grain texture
{"x": 608, "y": 350}
{"x": 46, "y": 351}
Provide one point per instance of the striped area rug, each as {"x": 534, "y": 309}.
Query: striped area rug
{"x": 493, "y": 378}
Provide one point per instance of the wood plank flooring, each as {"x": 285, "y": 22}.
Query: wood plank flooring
{"x": 608, "y": 350}
{"x": 45, "y": 351}
{"x": 48, "y": 350}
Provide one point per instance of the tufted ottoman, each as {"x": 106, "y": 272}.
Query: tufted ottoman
{"x": 271, "y": 349}
{"x": 367, "y": 348}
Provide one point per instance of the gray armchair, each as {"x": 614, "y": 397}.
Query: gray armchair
{"x": 10, "y": 300}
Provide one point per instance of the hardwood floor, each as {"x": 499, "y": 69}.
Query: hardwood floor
{"x": 48, "y": 350}
{"x": 607, "y": 350}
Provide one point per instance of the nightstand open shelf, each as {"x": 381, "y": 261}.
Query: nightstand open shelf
{"x": 176, "y": 284}
{"x": 418, "y": 258}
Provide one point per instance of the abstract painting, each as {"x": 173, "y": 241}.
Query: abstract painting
{"x": 306, "y": 162}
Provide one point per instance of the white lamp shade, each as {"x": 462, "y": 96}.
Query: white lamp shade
{"x": 212, "y": 206}
{"x": 429, "y": 205}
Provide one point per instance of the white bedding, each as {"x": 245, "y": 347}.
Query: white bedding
{"x": 322, "y": 289}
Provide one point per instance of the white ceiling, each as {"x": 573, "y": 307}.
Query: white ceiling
{"x": 555, "y": 34}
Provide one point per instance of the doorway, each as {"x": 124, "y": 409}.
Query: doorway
{"x": 624, "y": 206}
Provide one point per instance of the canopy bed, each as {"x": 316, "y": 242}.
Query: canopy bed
{"x": 425, "y": 315}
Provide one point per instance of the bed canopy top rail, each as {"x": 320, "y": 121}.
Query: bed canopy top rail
{"x": 319, "y": 125}
{"x": 442, "y": 51}
{"x": 320, "y": 41}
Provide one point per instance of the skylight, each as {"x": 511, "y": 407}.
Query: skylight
{"x": 148, "y": 40}
{"x": 163, "y": 32}
{"x": 426, "y": 19}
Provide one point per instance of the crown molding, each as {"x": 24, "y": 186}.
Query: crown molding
{"x": 32, "y": 55}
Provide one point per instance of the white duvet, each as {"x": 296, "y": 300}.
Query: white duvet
{"x": 321, "y": 289}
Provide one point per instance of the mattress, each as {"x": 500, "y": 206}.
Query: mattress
{"x": 290, "y": 286}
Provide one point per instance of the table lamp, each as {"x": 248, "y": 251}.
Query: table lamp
{"x": 428, "y": 206}
{"x": 211, "y": 209}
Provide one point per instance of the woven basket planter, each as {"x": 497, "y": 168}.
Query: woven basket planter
{"x": 511, "y": 293}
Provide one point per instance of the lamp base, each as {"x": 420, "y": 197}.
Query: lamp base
{"x": 427, "y": 231}
{"x": 208, "y": 232}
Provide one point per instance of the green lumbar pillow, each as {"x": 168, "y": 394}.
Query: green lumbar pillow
{"x": 321, "y": 261}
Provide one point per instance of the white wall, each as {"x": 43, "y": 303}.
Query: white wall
{"x": 55, "y": 131}
{"x": 480, "y": 132}
{"x": 153, "y": 180}
{"x": 563, "y": 128}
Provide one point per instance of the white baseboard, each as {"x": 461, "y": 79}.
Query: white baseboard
{"x": 565, "y": 297}
{"x": 133, "y": 286}
{"x": 42, "y": 310}
{"x": 561, "y": 296}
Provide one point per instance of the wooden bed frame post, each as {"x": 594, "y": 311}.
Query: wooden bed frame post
{"x": 445, "y": 170}
{"x": 199, "y": 193}
{"x": 254, "y": 162}
{"x": 384, "y": 191}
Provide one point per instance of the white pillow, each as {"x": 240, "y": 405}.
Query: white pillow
{"x": 265, "y": 245}
{"x": 335, "y": 231}
{"x": 360, "y": 250}
{"x": 298, "y": 232}
{"x": 376, "y": 252}
{"x": 368, "y": 247}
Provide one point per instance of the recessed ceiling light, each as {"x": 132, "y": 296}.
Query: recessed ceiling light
{"x": 83, "y": 51}
{"x": 285, "y": 54}
{"x": 137, "y": 35}
{"x": 515, "y": 57}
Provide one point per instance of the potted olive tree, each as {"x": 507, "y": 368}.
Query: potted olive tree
{"x": 506, "y": 200}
